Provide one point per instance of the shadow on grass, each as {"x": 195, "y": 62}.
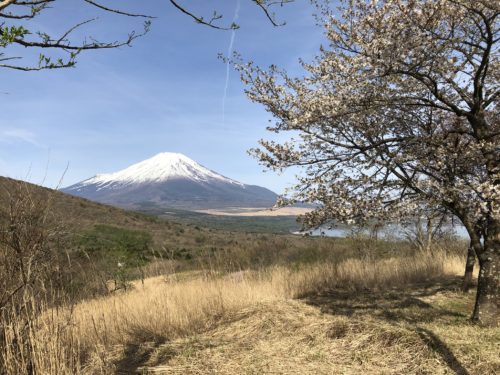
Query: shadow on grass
{"x": 434, "y": 343}
{"x": 136, "y": 356}
{"x": 402, "y": 305}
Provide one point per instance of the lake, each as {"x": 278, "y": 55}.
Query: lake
{"x": 395, "y": 231}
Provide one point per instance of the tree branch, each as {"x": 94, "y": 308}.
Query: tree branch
{"x": 201, "y": 20}
{"x": 116, "y": 10}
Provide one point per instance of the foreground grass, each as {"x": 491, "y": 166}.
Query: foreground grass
{"x": 387, "y": 316}
{"x": 293, "y": 337}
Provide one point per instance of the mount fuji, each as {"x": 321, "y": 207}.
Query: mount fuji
{"x": 171, "y": 180}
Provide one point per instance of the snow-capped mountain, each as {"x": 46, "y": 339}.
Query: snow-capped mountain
{"x": 171, "y": 180}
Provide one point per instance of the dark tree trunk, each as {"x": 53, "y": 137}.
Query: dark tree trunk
{"x": 487, "y": 307}
{"x": 469, "y": 269}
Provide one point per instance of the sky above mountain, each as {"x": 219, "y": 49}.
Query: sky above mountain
{"x": 169, "y": 92}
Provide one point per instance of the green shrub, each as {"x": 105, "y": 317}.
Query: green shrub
{"x": 115, "y": 253}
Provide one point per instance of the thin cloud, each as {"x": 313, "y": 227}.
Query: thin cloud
{"x": 229, "y": 52}
{"x": 15, "y": 135}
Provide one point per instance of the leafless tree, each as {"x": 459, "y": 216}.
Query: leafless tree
{"x": 27, "y": 231}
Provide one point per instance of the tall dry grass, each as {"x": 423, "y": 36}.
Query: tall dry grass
{"x": 90, "y": 336}
{"x": 38, "y": 343}
{"x": 371, "y": 274}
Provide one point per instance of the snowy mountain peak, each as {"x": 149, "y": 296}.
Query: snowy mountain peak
{"x": 170, "y": 180}
{"x": 162, "y": 167}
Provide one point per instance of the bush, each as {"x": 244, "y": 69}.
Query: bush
{"x": 114, "y": 253}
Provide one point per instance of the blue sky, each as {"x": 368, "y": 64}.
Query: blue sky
{"x": 118, "y": 107}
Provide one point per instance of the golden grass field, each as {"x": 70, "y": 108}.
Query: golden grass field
{"x": 399, "y": 315}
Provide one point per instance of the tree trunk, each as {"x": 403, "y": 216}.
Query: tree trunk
{"x": 487, "y": 307}
{"x": 469, "y": 268}
{"x": 429, "y": 237}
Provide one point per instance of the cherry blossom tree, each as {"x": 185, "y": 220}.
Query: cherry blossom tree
{"x": 397, "y": 114}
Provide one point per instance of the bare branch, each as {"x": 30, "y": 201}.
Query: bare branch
{"x": 270, "y": 16}
{"x": 116, "y": 10}
{"x": 5, "y": 3}
{"x": 201, "y": 20}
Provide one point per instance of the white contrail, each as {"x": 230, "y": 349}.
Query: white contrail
{"x": 229, "y": 52}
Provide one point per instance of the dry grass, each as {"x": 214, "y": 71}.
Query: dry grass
{"x": 389, "y": 316}
{"x": 372, "y": 274}
{"x": 38, "y": 346}
{"x": 291, "y": 337}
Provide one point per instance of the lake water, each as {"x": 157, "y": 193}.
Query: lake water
{"x": 394, "y": 231}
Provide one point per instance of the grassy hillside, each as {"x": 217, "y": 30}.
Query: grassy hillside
{"x": 402, "y": 315}
{"x": 135, "y": 294}
{"x": 77, "y": 213}
{"x": 175, "y": 228}
{"x": 182, "y": 232}
{"x": 122, "y": 245}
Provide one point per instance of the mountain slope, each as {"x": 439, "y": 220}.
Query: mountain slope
{"x": 171, "y": 180}
{"x": 77, "y": 215}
